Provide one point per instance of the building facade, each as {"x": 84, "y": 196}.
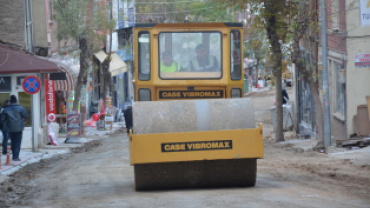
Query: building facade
{"x": 357, "y": 74}
{"x": 26, "y": 31}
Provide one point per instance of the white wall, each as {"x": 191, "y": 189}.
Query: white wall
{"x": 114, "y": 42}
{"x": 357, "y": 79}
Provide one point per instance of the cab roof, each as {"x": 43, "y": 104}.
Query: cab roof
{"x": 189, "y": 25}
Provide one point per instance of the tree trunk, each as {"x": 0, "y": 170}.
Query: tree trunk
{"x": 106, "y": 76}
{"x": 272, "y": 26}
{"x": 279, "y": 108}
{"x": 319, "y": 112}
{"x": 82, "y": 76}
{"x": 255, "y": 73}
{"x": 82, "y": 79}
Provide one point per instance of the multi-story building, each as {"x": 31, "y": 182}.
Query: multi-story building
{"x": 352, "y": 83}
{"x": 348, "y": 63}
{"x": 25, "y": 34}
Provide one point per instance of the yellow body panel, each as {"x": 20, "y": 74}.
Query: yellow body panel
{"x": 151, "y": 148}
{"x": 156, "y": 82}
{"x": 192, "y": 146}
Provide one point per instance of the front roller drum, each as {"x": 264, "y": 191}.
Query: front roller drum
{"x": 196, "y": 174}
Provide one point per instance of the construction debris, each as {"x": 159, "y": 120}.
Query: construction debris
{"x": 359, "y": 142}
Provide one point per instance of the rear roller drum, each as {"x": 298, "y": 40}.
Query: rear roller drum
{"x": 196, "y": 174}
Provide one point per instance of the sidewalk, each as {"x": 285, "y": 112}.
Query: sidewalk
{"x": 359, "y": 156}
{"x": 49, "y": 151}
{"x": 254, "y": 90}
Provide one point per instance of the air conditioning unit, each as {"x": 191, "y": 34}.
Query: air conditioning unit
{"x": 42, "y": 51}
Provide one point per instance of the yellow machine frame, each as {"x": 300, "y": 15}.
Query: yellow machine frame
{"x": 147, "y": 148}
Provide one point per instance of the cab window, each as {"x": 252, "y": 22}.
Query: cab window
{"x": 235, "y": 55}
{"x": 144, "y": 55}
{"x": 190, "y": 55}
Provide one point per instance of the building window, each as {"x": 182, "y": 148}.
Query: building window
{"x": 334, "y": 14}
{"x": 108, "y": 10}
{"x": 51, "y": 5}
{"x": 131, "y": 18}
{"x": 340, "y": 89}
{"x": 95, "y": 13}
{"x": 5, "y": 84}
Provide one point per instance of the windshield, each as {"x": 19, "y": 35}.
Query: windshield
{"x": 190, "y": 55}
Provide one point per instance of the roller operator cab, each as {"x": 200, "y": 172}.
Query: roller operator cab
{"x": 193, "y": 135}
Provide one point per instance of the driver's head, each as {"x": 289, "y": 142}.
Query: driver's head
{"x": 167, "y": 58}
{"x": 201, "y": 51}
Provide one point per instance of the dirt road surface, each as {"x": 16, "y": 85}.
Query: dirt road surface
{"x": 103, "y": 177}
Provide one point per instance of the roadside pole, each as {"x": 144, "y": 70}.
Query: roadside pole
{"x": 327, "y": 126}
{"x": 32, "y": 85}
{"x": 33, "y": 125}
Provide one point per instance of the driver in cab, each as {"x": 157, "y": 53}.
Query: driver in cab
{"x": 169, "y": 65}
{"x": 203, "y": 62}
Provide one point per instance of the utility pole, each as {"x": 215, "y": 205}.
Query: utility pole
{"x": 327, "y": 126}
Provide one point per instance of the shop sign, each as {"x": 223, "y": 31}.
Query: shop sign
{"x": 362, "y": 60}
{"x": 365, "y": 13}
{"x": 73, "y": 125}
{"x": 50, "y": 101}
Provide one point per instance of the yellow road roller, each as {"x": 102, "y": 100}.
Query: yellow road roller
{"x": 191, "y": 125}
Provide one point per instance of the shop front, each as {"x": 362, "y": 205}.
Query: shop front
{"x": 16, "y": 66}
{"x": 119, "y": 70}
{"x": 306, "y": 112}
{"x": 60, "y": 93}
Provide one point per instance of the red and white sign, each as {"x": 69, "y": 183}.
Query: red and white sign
{"x": 50, "y": 101}
{"x": 31, "y": 84}
{"x": 362, "y": 60}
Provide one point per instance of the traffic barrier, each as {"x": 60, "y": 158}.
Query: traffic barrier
{"x": 8, "y": 157}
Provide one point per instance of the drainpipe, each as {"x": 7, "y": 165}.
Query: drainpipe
{"x": 345, "y": 98}
{"x": 327, "y": 126}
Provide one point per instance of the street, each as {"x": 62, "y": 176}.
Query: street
{"x": 103, "y": 177}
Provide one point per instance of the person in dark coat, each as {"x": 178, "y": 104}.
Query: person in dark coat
{"x": 4, "y": 130}
{"x": 285, "y": 96}
{"x": 13, "y": 116}
{"x": 128, "y": 118}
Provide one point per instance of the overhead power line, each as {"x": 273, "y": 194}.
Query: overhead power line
{"x": 166, "y": 2}
{"x": 187, "y": 11}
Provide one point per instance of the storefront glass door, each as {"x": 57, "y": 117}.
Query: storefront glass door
{"x": 24, "y": 100}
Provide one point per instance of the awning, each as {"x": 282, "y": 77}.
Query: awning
{"x": 65, "y": 85}
{"x": 71, "y": 73}
{"x": 117, "y": 66}
{"x": 14, "y": 61}
{"x": 101, "y": 55}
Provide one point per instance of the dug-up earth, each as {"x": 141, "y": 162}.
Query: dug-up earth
{"x": 101, "y": 176}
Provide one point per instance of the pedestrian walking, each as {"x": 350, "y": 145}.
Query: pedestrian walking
{"x": 4, "y": 129}
{"x": 13, "y": 117}
{"x": 285, "y": 96}
{"x": 128, "y": 118}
